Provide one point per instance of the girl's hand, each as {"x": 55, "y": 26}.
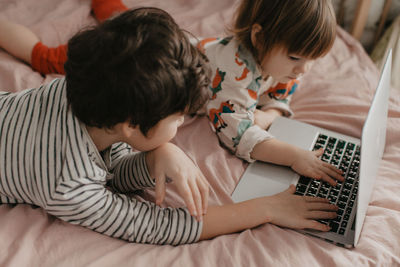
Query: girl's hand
{"x": 299, "y": 212}
{"x": 170, "y": 161}
{"x": 307, "y": 163}
{"x": 265, "y": 118}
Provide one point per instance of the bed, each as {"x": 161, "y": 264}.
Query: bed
{"x": 335, "y": 94}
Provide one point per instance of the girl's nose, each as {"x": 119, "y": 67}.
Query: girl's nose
{"x": 303, "y": 68}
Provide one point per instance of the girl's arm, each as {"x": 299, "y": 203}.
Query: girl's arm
{"x": 264, "y": 118}
{"x": 17, "y": 40}
{"x": 284, "y": 209}
{"x": 302, "y": 161}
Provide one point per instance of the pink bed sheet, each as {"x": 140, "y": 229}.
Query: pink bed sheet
{"x": 335, "y": 94}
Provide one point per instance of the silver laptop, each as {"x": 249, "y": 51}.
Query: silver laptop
{"x": 359, "y": 159}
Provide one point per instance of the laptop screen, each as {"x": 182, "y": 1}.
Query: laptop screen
{"x": 373, "y": 143}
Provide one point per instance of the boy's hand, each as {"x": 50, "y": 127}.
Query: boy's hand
{"x": 265, "y": 118}
{"x": 307, "y": 163}
{"x": 299, "y": 212}
{"x": 170, "y": 161}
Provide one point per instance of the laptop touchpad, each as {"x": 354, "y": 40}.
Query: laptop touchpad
{"x": 264, "y": 180}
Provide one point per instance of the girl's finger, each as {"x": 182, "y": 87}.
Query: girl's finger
{"x": 333, "y": 168}
{"x": 321, "y": 206}
{"x": 311, "y": 224}
{"x": 333, "y": 172}
{"x": 327, "y": 178}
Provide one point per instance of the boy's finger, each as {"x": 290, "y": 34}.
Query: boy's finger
{"x": 196, "y": 198}
{"x": 160, "y": 189}
{"x": 311, "y": 224}
{"x": 321, "y": 206}
{"x": 291, "y": 189}
{"x": 204, "y": 187}
{"x": 321, "y": 215}
{"x": 186, "y": 194}
{"x": 204, "y": 191}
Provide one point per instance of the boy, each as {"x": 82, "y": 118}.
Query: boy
{"x": 66, "y": 146}
{"x": 61, "y": 143}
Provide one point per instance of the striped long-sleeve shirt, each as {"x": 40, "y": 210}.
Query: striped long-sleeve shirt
{"x": 48, "y": 159}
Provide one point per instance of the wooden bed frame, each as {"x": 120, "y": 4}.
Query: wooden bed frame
{"x": 360, "y": 19}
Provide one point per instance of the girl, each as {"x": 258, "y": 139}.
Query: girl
{"x": 256, "y": 71}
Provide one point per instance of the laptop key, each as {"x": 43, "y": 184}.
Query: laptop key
{"x": 326, "y": 222}
{"x": 304, "y": 180}
{"x": 348, "y": 210}
{"x": 300, "y": 188}
{"x": 334, "y": 192}
{"x": 341, "y": 204}
{"x": 343, "y": 198}
{"x": 342, "y": 231}
{"x": 337, "y": 219}
{"x": 332, "y": 199}
{"x": 341, "y": 143}
{"x": 310, "y": 194}
{"x": 334, "y": 226}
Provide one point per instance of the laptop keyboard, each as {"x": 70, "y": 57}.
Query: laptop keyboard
{"x": 346, "y": 157}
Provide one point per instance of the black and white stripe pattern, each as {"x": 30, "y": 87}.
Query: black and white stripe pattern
{"x": 48, "y": 159}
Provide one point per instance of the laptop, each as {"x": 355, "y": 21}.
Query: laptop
{"x": 358, "y": 159}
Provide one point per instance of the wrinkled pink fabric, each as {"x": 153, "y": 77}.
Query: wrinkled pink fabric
{"x": 335, "y": 94}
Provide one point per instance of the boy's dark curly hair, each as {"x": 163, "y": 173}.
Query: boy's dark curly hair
{"x": 138, "y": 67}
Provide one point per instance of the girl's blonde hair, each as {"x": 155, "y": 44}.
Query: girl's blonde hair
{"x": 304, "y": 27}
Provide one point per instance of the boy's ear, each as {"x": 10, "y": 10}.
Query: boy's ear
{"x": 255, "y": 29}
{"x": 128, "y": 130}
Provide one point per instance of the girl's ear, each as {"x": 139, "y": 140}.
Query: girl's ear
{"x": 255, "y": 29}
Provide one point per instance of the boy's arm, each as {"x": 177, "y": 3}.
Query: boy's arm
{"x": 284, "y": 209}
{"x": 302, "y": 161}
{"x": 87, "y": 202}
{"x": 130, "y": 173}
